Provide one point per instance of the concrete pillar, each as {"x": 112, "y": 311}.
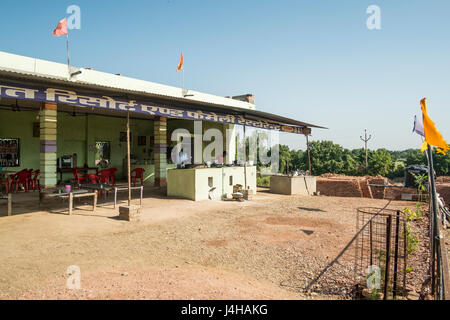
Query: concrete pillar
{"x": 230, "y": 140}
{"x": 160, "y": 130}
{"x": 198, "y": 142}
{"x": 48, "y": 131}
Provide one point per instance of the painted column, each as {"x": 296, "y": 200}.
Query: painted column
{"x": 160, "y": 130}
{"x": 48, "y": 123}
{"x": 230, "y": 140}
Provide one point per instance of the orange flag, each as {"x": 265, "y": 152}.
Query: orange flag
{"x": 61, "y": 28}
{"x": 180, "y": 64}
{"x": 432, "y": 135}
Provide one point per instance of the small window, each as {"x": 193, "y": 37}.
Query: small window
{"x": 231, "y": 180}
{"x": 102, "y": 153}
{"x": 210, "y": 182}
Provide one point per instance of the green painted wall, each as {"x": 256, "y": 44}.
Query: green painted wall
{"x": 20, "y": 125}
{"x": 71, "y": 137}
{"x": 72, "y": 132}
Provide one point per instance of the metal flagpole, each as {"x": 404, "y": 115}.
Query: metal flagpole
{"x": 433, "y": 219}
{"x": 67, "y": 48}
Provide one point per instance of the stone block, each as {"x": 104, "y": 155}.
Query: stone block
{"x": 130, "y": 213}
{"x": 248, "y": 194}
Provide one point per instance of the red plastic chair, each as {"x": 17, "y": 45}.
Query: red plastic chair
{"x": 78, "y": 179}
{"x": 13, "y": 178}
{"x": 6, "y": 184}
{"x": 112, "y": 175}
{"x": 21, "y": 178}
{"x": 104, "y": 176}
{"x": 92, "y": 178}
{"x": 95, "y": 179}
{"x": 35, "y": 180}
{"x": 138, "y": 174}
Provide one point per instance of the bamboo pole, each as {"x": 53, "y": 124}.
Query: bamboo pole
{"x": 309, "y": 154}
{"x": 245, "y": 161}
{"x": 128, "y": 158}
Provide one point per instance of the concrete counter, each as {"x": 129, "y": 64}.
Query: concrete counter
{"x": 149, "y": 173}
{"x": 202, "y": 183}
{"x": 304, "y": 185}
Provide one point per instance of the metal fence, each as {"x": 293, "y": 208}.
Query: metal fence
{"x": 381, "y": 251}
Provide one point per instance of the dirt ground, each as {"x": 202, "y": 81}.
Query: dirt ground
{"x": 268, "y": 248}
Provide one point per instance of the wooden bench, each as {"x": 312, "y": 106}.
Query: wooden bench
{"x": 125, "y": 188}
{"x": 114, "y": 188}
{"x": 74, "y": 194}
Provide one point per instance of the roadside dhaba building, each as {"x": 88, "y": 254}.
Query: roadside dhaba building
{"x": 56, "y": 118}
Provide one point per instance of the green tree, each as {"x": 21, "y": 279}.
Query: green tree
{"x": 351, "y": 165}
{"x": 380, "y": 162}
{"x": 328, "y": 157}
{"x": 297, "y": 159}
{"x": 398, "y": 171}
{"x": 414, "y": 156}
{"x": 285, "y": 159}
{"x": 325, "y": 157}
{"x": 441, "y": 163}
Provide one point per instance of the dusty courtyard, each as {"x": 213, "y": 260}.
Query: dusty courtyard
{"x": 268, "y": 248}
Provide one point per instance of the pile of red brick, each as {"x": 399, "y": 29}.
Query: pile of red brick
{"x": 444, "y": 191}
{"x": 348, "y": 186}
{"x": 337, "y": 185}
{"x": 443, "y": 179}
{"x": 396, "y": 193}
{"x": 443, "y": 188}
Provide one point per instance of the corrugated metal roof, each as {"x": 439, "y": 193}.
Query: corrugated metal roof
{"x": 32, "y": 68}
{"x": 58, "y": 71}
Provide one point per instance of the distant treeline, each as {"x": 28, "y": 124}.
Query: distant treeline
{"x": 328, "y": 157}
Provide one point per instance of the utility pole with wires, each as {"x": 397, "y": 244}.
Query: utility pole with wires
{"x": 366, "y": 139}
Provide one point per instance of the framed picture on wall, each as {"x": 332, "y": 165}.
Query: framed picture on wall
{"x": 9, "y": 152}
{"x": 142, "y": 140}
{"x": 123, "y": 137}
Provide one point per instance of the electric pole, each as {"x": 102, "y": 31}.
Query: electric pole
{"x": 366, "y": 139}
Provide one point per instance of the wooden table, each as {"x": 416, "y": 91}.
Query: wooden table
{"x": 9, "y": 199}
{"x": 125, "y": 188}
{"x": 80, "y": 193}
{"x": 107, "y": 187}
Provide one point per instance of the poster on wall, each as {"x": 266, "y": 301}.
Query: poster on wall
{"x": 9, "y": 152}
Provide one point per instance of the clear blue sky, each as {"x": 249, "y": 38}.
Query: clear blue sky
{"x": 312, "y": 60}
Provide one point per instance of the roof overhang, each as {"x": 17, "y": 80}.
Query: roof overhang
{"x": 45, "y": 73}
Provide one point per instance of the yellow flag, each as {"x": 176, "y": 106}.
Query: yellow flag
{"x": 432, "y": 135}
